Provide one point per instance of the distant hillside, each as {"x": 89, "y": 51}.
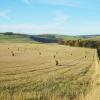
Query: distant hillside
{"x": 90, "y": 37}
{"x": 44, "y": 38}
{"x": 10, "y": 37}
{"x": 60, "y": 37}
{"x": 16, "y": 37}
{"x": 68, "y": 37}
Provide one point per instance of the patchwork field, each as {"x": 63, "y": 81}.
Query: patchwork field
{"x": 45, "y": 71}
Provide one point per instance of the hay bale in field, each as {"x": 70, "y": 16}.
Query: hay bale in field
{"x": 57, "y": 63}
{"x": 40, "y": 53}
{"x": 12, "y": 53}
{"x": 54, "y": 56}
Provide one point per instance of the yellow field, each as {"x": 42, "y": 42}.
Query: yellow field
{"x": 29, "y": 71}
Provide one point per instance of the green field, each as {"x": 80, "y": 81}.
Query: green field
{"x": 22, "y": 38}
{"x": 14, "y": 39}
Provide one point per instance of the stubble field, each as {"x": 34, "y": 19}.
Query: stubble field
{"x": 45, "y": 71}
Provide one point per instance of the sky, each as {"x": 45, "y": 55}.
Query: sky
{"x": 70, "y": 17}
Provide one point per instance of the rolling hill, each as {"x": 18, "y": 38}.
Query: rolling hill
{"x": 45, "y": 38}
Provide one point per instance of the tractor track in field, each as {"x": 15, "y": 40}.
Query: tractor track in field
{"x": 68, "y": 64}
{"x": 95, "y": 92}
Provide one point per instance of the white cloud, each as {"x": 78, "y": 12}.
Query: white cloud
{"x": 5, "y": 14}
{"x": 31, "y": 28}
{"x": 50, "y": 28}
{"x": 60, "y": 17}
{"x": 57, "y": 24}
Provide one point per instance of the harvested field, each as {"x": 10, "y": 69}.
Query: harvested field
{"x": 45, "y": 71}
